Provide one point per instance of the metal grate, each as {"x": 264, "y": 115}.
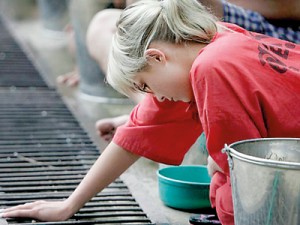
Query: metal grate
{"x": 44, "y": 153}
{"x": 15, "y": 67}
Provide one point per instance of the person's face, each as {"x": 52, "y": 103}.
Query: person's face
{"x": 167, "y": 76}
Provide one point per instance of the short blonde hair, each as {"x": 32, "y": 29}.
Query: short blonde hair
{"x": 174, "y": 21}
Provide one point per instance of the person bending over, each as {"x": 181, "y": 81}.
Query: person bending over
{"x": 197, "y": 74}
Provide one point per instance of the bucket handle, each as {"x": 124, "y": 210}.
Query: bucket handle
{"x": 227, "y": 150}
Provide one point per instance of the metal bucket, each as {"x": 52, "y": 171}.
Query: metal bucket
{"x": 265, "y": 180}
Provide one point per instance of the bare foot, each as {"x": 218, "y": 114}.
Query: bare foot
{"x": 106, "y": 128}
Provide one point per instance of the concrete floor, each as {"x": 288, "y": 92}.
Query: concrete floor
{"x": 49, "y": 53}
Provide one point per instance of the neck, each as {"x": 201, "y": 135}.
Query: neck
{"x": 192, "y": 50}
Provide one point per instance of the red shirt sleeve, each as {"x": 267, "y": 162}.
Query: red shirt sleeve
{"x": 161, "y": 131}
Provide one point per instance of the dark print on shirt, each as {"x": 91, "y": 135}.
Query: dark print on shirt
{"x": 274, "y": 55}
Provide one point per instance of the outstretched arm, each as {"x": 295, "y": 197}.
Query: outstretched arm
{"x": 110, "y": 165}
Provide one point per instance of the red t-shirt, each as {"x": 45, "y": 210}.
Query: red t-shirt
{"x": 246, "y": 85}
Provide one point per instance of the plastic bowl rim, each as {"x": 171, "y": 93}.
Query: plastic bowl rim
{"x": 176, "y": 181}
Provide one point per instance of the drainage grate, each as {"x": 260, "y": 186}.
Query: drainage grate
{"x": 44, "y": 153}
{"x": 16, "y": 69}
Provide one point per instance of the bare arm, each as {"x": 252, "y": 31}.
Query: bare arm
{"x": 110, "y": 165}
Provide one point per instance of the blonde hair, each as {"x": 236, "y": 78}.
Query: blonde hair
{"x": 174, "y": 21}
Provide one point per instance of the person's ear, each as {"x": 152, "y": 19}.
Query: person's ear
{"x": 155, "y": 56}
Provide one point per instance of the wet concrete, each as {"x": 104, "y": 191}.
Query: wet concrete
{"x": 48, "y": 51}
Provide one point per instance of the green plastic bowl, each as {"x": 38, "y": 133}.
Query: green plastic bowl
{"x": 184, "y": 187}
